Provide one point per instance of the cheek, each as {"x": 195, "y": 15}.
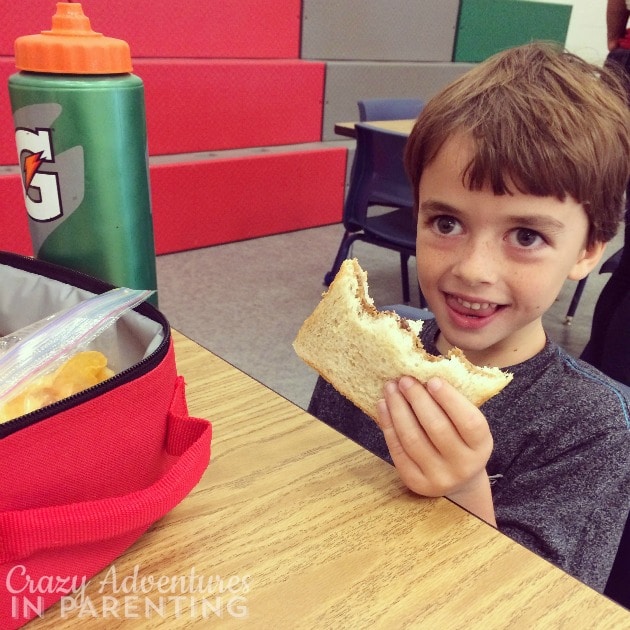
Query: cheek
{"x": 430, "y": 266}
{"x": 535, "y": 292}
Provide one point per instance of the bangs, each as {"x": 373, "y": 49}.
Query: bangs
{"x": 521, "y": 141}
{"x": 506, "y": 169}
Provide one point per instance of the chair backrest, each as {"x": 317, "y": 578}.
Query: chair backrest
{"x": 611, "y": 263}
{"x": 389, "y": 108}
{"x": 378, "y": 174}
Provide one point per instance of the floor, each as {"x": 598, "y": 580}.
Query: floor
{"x": 245, "y": 301}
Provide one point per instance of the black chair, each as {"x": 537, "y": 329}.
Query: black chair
{"x": 389, "y": 108}
{"x": 608, "y": 267}
{"x": 618, "y": 585}
{"x": 378, "y": 179}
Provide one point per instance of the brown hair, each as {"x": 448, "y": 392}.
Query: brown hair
{"x": 541, "y": 119}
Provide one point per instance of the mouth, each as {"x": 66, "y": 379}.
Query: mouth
{"x": 469, "y": 309}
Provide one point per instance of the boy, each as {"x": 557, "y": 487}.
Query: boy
{"x": 519, "y": 170}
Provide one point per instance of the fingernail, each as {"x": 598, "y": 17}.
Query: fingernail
{"x": 406, "y": 382}
{"x": 434, "y": 384}
{"x": 391, "y": 387}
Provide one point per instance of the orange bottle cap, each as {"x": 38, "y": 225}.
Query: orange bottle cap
{"x": 72, "y": 47}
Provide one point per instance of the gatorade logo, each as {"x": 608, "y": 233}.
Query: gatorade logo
{"x": 39, "y": 177}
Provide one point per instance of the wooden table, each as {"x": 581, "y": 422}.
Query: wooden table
{"x": 308, "y": 530}
{"x": 347, "y": 128}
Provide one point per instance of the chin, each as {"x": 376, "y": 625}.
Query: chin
{"x": 469, "y": 340}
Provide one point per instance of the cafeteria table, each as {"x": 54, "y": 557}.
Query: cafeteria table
{"x": 347, "y": 128}
{"x": 295, "y": 526}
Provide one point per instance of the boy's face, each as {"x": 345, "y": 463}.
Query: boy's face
{"x": 491, "y": 265}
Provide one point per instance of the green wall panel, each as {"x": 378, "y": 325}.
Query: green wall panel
{"x": 488, "y": 26}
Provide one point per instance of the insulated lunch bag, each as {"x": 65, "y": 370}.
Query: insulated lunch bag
{"x": 82, "y": 479}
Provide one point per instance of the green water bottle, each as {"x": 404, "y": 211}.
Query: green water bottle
{"x": 81, "y": 137}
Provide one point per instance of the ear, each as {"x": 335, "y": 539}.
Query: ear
{"x": 587, "y": 261}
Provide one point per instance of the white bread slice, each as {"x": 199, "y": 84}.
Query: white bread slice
{"x": 358, "y": 349}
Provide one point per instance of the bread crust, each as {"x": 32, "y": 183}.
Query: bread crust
{"x": 357, "y": 348}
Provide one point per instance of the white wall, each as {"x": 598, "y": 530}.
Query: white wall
{"x": 587, "y": 29}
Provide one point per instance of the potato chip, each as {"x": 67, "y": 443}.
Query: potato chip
{"x": 83, "y": 370}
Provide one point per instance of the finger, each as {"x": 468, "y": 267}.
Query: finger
{"x": 387, "y": 427}
{"x": 412, "y": 451}
{"x": 466, "y": 419}
{"x": 408, "y": 468}
{"x": 408, "y": 429}
{"x": 436, "y": 424}
{"x": 422, "y": 466}
{"x": 385, "y": 420}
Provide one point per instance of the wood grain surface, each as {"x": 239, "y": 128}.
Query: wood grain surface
{"x": 402, "y": 126}
{"x": 295, "y": 526}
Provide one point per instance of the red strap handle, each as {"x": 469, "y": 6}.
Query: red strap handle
{"x": 23, "y": 532}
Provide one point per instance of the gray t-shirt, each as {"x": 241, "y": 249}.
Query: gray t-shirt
{"x": 560, "y": 467}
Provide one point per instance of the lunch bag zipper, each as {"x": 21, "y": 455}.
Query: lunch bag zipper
{"x": 132, "y": 373}
{"x": 81, "y": 280}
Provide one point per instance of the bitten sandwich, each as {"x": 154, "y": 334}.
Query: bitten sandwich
{"x": 358, "y": 348}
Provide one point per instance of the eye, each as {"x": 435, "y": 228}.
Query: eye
{"x": 446, "y": 225}
{"x": 526, "y": 238}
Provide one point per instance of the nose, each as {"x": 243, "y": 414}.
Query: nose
{"x": 477, "y": 262}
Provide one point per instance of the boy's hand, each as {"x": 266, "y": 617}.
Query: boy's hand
{"x": 439, "y": 441}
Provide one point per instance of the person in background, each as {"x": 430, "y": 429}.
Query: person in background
{"x": 617, "y": 13}
{"x": 608, "y": 347}
{"x": 519, "y": 170}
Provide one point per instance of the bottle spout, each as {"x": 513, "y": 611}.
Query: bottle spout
{"x": 70, "y": 20}
{"x": 72, "y": 47}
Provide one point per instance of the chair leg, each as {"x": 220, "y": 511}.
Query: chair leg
{"x": 404, "y": 274}
{"x": 575, "y": 301}
{"x": 342, "y": 254}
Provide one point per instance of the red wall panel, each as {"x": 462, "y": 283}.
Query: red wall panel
{"x": 212, "y": 105}
{"x": 8, "y": 151}
{"x": 162, "y": 28}
{"x": 196, "y": 204}
{"x": 204, "y": 105}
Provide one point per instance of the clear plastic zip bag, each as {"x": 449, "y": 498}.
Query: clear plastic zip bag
{"x": 51, "y": 359}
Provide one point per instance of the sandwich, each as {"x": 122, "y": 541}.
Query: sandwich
{"x": 357, "y": 348}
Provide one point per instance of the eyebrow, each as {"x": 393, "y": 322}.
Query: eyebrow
{"x": 434, "y": 206}
{"x": 534, "y": 222}
{"x": 544, "y": 223}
